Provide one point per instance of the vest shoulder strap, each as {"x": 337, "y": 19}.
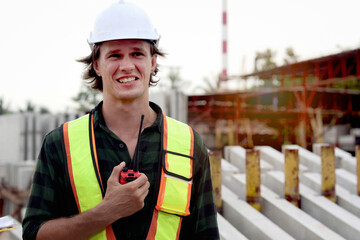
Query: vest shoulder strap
{"x": 83, "y": 169}
{"x": 176, "y": 180}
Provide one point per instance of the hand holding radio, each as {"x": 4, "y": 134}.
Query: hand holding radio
{"x": 122, "y": 200}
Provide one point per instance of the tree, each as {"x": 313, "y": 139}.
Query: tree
{"x": 175, "y": 80}
{"x": 30, "y": 107}
{"x": 290, "y": 56}
{"x": 211, "y": 86}
{"x": 264, "y": 60}
{"x": 87, "y": 98}
{"x": 4, "y": 109}
{"x": 174, "y": 77}
{"x": 44, "y": 110}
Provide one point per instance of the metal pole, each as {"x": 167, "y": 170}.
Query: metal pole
{"x": 224, "y": 41}
{"x": 215, "y": 166}
{"x": 328, "y": 177}
{"x": 291, "y": 186}
{"x": 231, "y": 132}
{"x": 253, "y": 181}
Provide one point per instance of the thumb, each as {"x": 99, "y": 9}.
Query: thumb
{"x": 115, "y": 175}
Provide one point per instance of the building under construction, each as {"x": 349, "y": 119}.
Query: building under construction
{"x": 299, "y": 103}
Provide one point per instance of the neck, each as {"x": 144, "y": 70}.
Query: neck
{"x": 123, "y": 118}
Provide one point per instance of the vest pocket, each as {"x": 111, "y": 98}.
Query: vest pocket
{"x": 175, "y": 185}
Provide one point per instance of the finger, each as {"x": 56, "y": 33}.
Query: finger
{"x": 116, "y": 171}
{"x": 144, "y": 194}
{"x": 144, "y": 188}
{"x": 141, "y": 180}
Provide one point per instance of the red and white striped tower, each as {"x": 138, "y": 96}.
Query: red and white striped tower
{"x": 224, "y": 41}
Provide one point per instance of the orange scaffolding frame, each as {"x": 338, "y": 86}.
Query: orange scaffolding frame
{"x": 304, "y": 86}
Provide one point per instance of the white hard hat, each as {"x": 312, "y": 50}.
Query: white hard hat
{"x": 122, "y": 20}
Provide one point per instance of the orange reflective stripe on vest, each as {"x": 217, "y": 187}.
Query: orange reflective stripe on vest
{"x": 84, "y": 177}
{"x": 176, "y": 181}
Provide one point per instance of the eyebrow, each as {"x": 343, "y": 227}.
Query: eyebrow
{"x": 138, "y": 49}
{"x": 133, "y": 49}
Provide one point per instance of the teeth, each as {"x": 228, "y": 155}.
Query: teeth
{"x": 125, "y": 80}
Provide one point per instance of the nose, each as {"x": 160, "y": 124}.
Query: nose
{"x": 126, "y": 65}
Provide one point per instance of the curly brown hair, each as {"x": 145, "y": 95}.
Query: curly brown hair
{"x": 95, "y": 81}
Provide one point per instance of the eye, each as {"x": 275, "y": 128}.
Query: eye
{"x": 115, "y": 55}
{"x": 137, "y": 54}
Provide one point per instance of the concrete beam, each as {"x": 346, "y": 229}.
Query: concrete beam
{"x": 236, "y": 155}
{"x": 349, "y": 164}
{"x": 331, "y": 215}
{"x": 345, "y": 199}
{"x": 248, "y": 220}
{"x": 347, "y": 180}
{"x": 343, "y": 158}
{"x": 307, "y": 158}
{"x": 328, "y": 213}
{"x": 228, "y": 231}
{"x": 297, "y": 223}
{"x": 227, "y": 170}
{"x": 275, "y": 158}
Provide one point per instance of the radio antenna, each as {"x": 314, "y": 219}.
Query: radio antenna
{"x": 137, "y": 149}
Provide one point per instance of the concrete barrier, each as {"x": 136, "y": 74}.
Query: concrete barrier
{"x": 328, "y": 213}
{"x": 228, "y": 231}
{"x": 349, "y": 164}
{"x": 307, "y": 158}
{"x": 343, "y": 158}
{"x": 347, "y": 180}
{"x": 23, "y": 133}
{"x": 345, "y": 199}
{"x": 248, "y": 220}
{"x": 275, "y": 158}
{"x": 293, "y": 220}
{"x": 227, "y": 170}
{"x": 13, "y": 234}
{"x": 236, "y": 155}
{"x": 331, "y": 215}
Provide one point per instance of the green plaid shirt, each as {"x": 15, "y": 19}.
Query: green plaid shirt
{"x": 52, "y": 197}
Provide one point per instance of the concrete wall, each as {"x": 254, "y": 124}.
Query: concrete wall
{"x": 173, "y": 103}
{"x": 22, "y": 134}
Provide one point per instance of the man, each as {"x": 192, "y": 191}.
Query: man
{"x": 76, "y": 193}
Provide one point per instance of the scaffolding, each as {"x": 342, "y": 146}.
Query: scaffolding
{"x": 296, "y": 100}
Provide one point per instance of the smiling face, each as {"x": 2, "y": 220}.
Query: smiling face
{"x": 125, "y": 67}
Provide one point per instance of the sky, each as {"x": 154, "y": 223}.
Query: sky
{"x": 40, "y": 40}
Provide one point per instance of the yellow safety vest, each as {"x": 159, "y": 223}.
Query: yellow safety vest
{"x": 175, "y": 183}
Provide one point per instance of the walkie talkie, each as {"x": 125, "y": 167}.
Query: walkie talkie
{"x": 129, "y": 175}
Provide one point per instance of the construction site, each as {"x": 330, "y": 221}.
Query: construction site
{"x": 303, "y": 134}
{"x": 284, "y": 155}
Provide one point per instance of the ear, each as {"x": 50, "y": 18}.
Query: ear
{"x": 153, "y": 62}
{"x": 96, "y": 67}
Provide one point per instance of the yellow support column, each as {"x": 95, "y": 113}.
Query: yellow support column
{"x": 253, "y": 180}
{"x": 248, "y": 132}
{"x": 358, "y": 167}
{"x": 328, "y": 177}
{"x": 231, "y": 133}
{"x": 291, "y": 187}
{"x": 215, "y": 166}
{"x": 218, "y": 133}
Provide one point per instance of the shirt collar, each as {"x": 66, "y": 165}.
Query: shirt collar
{"x": 99, "y": 118}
